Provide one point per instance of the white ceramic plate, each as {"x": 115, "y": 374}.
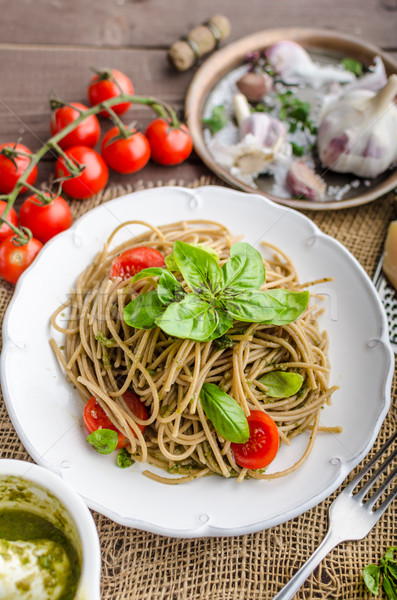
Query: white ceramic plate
{"x": 46, "y": 411}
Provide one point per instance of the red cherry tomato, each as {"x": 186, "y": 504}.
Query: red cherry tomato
{"x": 125, "y": 155}
{"x": 93, "y": 178}
{"x": 15, "y": 259}
{"x": 130, "y": 262}
{"x": 12, "y": 167}
{"x": 106, "y": 85}
{"x": 169, "y": 145}
{"x": 95, "y": 417}
{"x": 12, "y": 216}
{"x": 85, "y": 134}
{"x": 262, "y": 445}
{"x": 45, "y": 220}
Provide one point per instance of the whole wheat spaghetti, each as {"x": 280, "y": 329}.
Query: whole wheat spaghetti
{"x": 104, "y": 357}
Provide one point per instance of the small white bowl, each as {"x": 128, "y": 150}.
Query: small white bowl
{"x": 48, "y": 495}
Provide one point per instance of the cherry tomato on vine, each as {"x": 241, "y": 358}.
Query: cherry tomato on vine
{"x": 85, "y": 134}
{"x": 95, "y": 417}
{"x": 169, "y": 145}
{"x": 107, "y": 84}
{"x": 262, "y": 445}
{"x": 130, "y": 262}
{"x": 15, "y": 259}
{"x": 93, "y": 178}
{"x": 125, "y": 155}
{"x": 45, "y": 220}
{"x": 12, "y": 166}
{"x": 12, "y": 216}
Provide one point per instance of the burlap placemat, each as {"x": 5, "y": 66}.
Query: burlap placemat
{"x": 143, "y": 566}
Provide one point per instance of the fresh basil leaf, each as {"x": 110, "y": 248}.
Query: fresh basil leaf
{"x": 170, "y": 259}
{"x": 244, "y": 269}
{"x": 169, "y": 289}
{"x": 371, "y": 575}
{"x": 225, "y": 414}
{"x": 225, "y": 322}
{"x": 353, "y": 65}
{"x": 217, "y": 120}
{"x": 143, "y": 311}
{"x": 389, "y": 556}
{"x": 389, "y": 587}
{"x": 250, "y": 306}
{"x": 103, "y": 440}
{"x": 124, "y": 459}
{"x": 192, "y": 318}
{"x": 392, "y": 568}
{"x": 282, "y": 384}
{"x": 199, "y": 269}
{"x": 149, "y": 272}
{"x": 292, "y": 305}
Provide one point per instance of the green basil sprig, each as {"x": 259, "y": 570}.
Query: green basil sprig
{"x": 385, "y": 572}
{"x": 103, "y": 440}
{"x": 218, "y": 294}
{"x": 282, "y": 384}
{"x": 225, "y": 414}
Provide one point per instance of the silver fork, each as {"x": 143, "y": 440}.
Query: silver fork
{"x": 350, "y": 518}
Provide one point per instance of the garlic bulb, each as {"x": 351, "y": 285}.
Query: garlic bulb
{"x": 262, "y": 141}
{"x": 294, "y": 66}
{"x": 358, "y": 132}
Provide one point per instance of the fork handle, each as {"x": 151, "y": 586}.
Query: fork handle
{"x": 290, "y": 589}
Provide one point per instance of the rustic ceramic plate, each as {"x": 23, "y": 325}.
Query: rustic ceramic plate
{"x": 46, "y": 410}
{"x": 208, "y": 85}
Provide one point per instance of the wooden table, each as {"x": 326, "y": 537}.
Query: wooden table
{"x": 49, "y": 46}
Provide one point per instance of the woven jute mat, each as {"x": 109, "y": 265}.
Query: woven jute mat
{"x": 143, "y": 566}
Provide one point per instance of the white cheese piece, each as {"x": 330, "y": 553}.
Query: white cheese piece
{"x": 390, "y": 258}
{"x": 32, "y": 570}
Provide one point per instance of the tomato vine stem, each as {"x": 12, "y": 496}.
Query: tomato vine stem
{"x": 161, "y": 108}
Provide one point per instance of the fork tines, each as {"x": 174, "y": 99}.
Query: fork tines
{"x": 359, "y": 496}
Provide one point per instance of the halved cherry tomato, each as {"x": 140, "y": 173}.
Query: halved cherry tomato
{"x": 12, "y": 217}
{"x": 125, "y": 155}
{"x": 95, "y": 417}
{"x": 12, "y": 167}
{"x": 106, "y": 85}
{"x": 15, "y": 259}
{"x": 85, "y": 134}
{"x": 262, "y": 445}
{"x": 130, "y": 262}
{"x": 45, "y": 220}
{"x": 169, "y": 145}
{"x": 93, "y": 178}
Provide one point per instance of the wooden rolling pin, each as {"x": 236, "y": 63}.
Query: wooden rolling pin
{"x": 184, "y": 53}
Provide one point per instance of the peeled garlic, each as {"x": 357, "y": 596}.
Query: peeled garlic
{"x": 358, "y": 132}
{"x": 390, "y": 257}
{"x": 294, "y": 66}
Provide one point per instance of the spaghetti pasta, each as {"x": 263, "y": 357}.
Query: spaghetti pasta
{"x": 104, "y": 357}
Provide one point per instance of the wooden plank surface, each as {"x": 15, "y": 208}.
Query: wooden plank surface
{"x": 157, "y": 23}
{"x": 49, "y": 46}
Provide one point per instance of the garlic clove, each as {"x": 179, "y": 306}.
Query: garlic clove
{"x": 255, "y": 86}
{"x": 301, "y": 180}
{"x": 294, "y": 66}
{"x": 390, "y": 257}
